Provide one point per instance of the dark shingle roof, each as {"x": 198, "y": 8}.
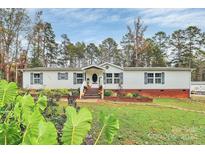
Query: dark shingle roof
{"x": 125, "y": 69}
{"x": 52, "y": 69}
{"x": 156, "y": 69}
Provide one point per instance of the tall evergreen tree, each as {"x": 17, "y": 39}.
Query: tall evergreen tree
{"x": 80, "y": 49}
{"x": 92, "y": 54}
{"x": 161, "y": 40}
{"x": 193, "y": 38}
{"x": 36, "y": 40}
{"x": 44, "y": 47}
{"x": 152, "y": 55}
{"x": 51, "y": 52}
{"x": 109, "y": 51}
{"x": 177, "y": 46}
{"x": 127, "y": 49}
{"x": 64, "y": 56}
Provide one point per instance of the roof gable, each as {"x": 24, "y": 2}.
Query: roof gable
{"x": 93, "y": 66}
{"x": 113, "y": 65}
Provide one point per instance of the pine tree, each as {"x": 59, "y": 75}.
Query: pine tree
{"x": 51, "y": 52}
{"x": 80, "y": 49}
{"x": 37, "y": 41}
{"x": 193, "y": 37}
{"x": 161, "y": 40}
{"x": 152, "y": 55}
{"x": 63, "y": 59}
{"x": 127, "y": 49}
{"x": 109, "y": 51}
{"x": 177, "y": 45}
{"x": 92, "y": 53}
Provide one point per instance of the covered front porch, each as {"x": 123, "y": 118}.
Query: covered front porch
{"x": 93, "y": 82}
{"x": 93, "y": 76}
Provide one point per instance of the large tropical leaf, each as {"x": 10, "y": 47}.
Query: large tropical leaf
{"x": 77, "y": 125}
{"x": 27, "y": 106}
{"x": 47, "y": 134}
{"x": 10, "y": 134}
{"x": 32, "y": 127}
{"x": 110, "y": 126}
{"x": 8, "y": 92}
{"x": 42, "y": 102}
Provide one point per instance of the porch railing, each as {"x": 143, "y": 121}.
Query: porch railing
{"x": 102, "y": 88}
{"x": 82, "y": 89}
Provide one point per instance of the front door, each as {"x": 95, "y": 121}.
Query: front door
{"x": 94, "y": 81}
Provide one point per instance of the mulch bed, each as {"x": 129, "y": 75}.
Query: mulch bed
{"x": 126, "y": 99}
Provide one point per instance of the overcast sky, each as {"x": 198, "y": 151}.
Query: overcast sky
{"x": 95, "y": 25}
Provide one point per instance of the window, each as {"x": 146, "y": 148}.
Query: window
{"x": 154, "y": 78}
{"x": 158, "y": 78}
{"x": 117, "y": 78}
{"x": 109, "y": 78}
{"x": 36, "y": 78}
{"x": 62, "y": 76}
{"x": 150, "y": 78}
{"x": 79, "y": 78}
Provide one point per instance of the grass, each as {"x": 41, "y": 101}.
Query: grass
{"x": 182, "y": 103}
{"x": 153, "y": 123}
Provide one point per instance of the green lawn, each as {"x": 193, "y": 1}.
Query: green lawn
{"x": 153, "y": 123}
{"x": 182, "y": 103}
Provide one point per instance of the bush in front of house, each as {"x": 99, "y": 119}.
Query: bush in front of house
{"x": 135, "y": 95}
{"x": 107, "y": 93}
{"x": 130, "y": 95}
{"x": 113, "y": 94}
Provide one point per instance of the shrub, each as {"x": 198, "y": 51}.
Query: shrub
{"x": 129, "y": 95}
{"x": 108, "y": 93}
{"x": 135, "y": 95}
{"x": 114, "y": 94}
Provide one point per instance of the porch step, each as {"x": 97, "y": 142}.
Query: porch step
{"x": 91, "y": 97}
{"x": 91, "y": 93}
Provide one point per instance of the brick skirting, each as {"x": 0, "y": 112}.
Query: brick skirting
{"x": 170, "y": 93}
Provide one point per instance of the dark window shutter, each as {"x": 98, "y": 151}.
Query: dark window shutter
{"x": 83, "y": 76}
{"x": 145, "y": 78}
{"x": 31, "y": 78}
{"x": 74, "y": 78}
{"x": 121, "y": 78}
{"x": 58, "y": 76}
{"x": 104, "y": 78}
{"x": 66, "y": 75}
{"x": 41, "y": 78}
{"x": 163, "y": 81}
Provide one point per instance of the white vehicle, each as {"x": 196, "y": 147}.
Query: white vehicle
{"x": 198, "y": 87}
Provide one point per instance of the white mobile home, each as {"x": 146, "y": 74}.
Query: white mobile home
{"x": 152, "y": 81}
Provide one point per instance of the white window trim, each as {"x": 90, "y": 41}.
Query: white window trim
{"x": 150, "y": 78}
{"x": 157, "y": 78}
{"x": 117, "y": 78}
{"x": 62, "y": 73}
{"x": 154, "y": 77}
{"x": 34, "y": 78}
{"x": 109, "y": 78}
{"x": 79, "y": 78}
